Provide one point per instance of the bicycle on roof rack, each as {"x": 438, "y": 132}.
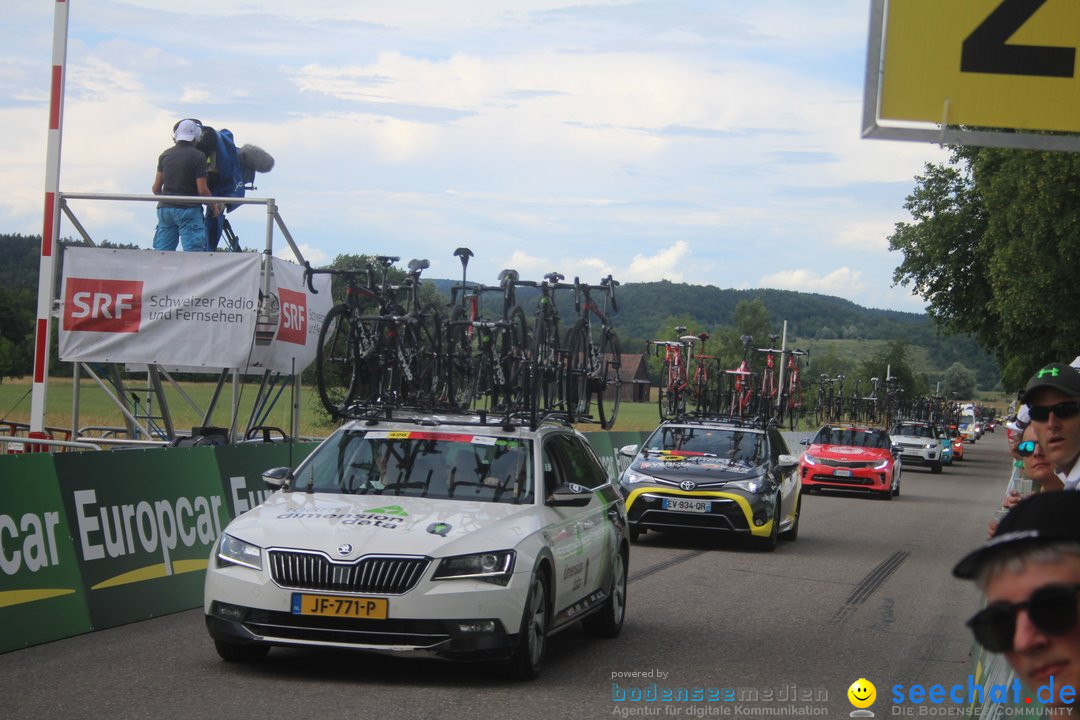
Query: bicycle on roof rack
{"x": 485, "y": 358}
{"x": 791, "y": 394}
{"x": 595, "y": 358}
{"x": 672, "y": 390}
{"x": 741, "y": 394}
{"x": 704, "y": 385}
{"x": 767, "y": 395}
{"x": 378, "y": 346}
{"x": 546, "y": 376}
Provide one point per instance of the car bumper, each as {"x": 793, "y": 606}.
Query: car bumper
{"x": 920, "y": 458}
{"x": 728, "y": 512}
{"x": 824, "y": 476}
{"x": 452, "y": 619}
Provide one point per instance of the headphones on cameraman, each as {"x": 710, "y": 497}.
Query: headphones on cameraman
{"x": 197, "y": 122}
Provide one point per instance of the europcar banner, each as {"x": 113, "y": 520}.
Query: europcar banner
{"x": 143, "y": 523}
{"x": 168, "y": 308}
{"x": 287, "y": 333}
{"x": 41, "y": 593}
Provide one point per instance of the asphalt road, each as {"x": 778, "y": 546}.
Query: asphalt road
{"x": 865, "y": 592}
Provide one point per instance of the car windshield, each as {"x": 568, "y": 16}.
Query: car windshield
{"x": 748, "y": 448}
{"x": 440, "y": 465}
{"x": 924, "y": 431}
{"x": 853, "y": 437}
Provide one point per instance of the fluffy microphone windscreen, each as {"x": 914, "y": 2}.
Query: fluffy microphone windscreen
{"x": 257, "y": 159}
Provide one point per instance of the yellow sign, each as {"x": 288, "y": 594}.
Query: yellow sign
{"x": 983, "y": 63}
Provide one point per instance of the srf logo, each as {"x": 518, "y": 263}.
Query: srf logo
{"x": 95, "y": 305}
{"x": 293, "y": 324}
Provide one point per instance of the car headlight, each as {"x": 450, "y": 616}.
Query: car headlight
{"x": 630, "y": 478}
{"x": 233, "y": 551}
{"x": 494, "y": 567}
{"x": 931, "y": 446}
{"x": 884, "y": 464}
{"x": 809, "y": 459}
{"x": 753, "y": 485}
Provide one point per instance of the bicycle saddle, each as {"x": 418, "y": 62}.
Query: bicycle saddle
{"x": 508, "y": 273}
{"x": 386, "y": 259}
{"x": 554, "y": 277}
{"x": 464, "y": 253}
{"x": 422, "y": 264}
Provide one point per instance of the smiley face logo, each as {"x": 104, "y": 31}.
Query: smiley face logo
{"x": 862, "y": 693}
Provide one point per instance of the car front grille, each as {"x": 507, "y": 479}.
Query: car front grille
{"x": 857, "y": 465}
{"x": 380, "y": 574}
{"x": 416, "y": 633}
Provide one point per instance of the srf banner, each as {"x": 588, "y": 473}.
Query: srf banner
{"x": 290, "y": 319}
{"x": 169, "y": 308}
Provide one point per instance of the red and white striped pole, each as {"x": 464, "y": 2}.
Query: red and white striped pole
{"x": 51, "y": 227}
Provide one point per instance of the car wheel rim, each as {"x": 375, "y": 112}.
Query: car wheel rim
{"x": 618, "y": 591}
{"x": 537, "y": 622}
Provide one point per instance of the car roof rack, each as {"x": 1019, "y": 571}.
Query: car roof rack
{"x": 756, "y": 422}
{"x": 435, "y": 415}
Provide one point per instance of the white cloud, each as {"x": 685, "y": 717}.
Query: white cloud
{"x": 844, "y": 281}
{"x": 664, "y": 265}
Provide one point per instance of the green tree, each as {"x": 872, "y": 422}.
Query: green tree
{"x": 960, "y": 380}
{"x": 994, "y": 247}
{"x": 751, "y": 317}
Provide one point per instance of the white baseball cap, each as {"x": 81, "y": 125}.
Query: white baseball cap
{"x": 187, "y": 130}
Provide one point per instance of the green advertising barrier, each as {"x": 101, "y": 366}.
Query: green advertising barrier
{"x": 241, "y": 468}
{"x": 41, "y": 593}
{"x": 143, "y": 523}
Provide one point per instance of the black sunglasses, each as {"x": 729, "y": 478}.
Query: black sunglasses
{"x": 1052, "y": 609}
{"x": 1063, "y": 410}
{"x": 1026, "y": 448}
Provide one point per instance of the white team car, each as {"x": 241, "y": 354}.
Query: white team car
{"x": 443, "y": 537}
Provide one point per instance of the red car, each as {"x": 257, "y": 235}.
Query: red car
{"x": 957, "y": 441}
{"x": 851, "y": 458}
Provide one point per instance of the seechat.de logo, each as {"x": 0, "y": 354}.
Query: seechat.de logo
{"x": 96, "y": 305}
{"x": 293, "y": 324}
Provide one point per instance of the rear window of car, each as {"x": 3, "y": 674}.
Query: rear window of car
{"x": 852, "y": 436}
{"x": 440, "y": 465}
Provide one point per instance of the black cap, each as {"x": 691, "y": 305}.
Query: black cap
{"x": 1041, "y": 519}
{"x": 1058, "y": 376}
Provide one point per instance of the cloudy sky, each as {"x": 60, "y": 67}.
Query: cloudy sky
{"x": 702, "y": 141}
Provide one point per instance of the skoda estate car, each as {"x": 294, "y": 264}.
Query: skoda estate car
{"x": 444, "y": 538}
{"x": 851, "y": 458}
{"x": 713, "y": 475}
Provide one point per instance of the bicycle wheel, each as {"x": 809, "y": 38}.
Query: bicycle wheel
{"x": 609, "y": 383}
{"x": 459, "y": 360}
{"x": 546, "y": 366}
{"x": 819, "y": 411}
{"x": 513, "y": 357}
{"x": 663, "y": 391}
{"x": 420, "y": 350}
{"x": 580, "y": 367}
{"x": 335, "y": 361}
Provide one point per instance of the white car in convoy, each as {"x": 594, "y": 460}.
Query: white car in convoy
{"x": 440, "y": 536}
{"x": 920, "y": 444}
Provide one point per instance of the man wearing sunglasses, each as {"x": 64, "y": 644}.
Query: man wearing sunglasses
{"x": 1053, "y": 399}
{"x": 1030, "y": 573}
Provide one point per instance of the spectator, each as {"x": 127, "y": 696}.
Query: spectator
{"x": 181, "y": 170}
{"x": 1053, "y": 399}
{"x": 1036, "y": 468}
{"x": 1030, "y": 574}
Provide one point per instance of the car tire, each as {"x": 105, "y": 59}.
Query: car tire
{"x": 528, "y": 657}
{"x": 935, "y": 468}
{"x": 635, "y": 533}
{"x": 608, "y": 621}
{"x": 896, "y": 487}
{"x": 792, "y": 533}
{"x": 768, "y": 544}
{"x": 241, "y": 653}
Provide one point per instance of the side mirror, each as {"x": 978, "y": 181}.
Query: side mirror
{"x": 628, "y": 450}
{"x": 279, "y": 478}
{"x": 805, "y": 441}
{"x": 895, "y": 450}
{"x": 787, "y": 461}
{"x": 570, "y": 495}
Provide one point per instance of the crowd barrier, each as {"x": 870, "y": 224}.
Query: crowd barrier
{"x": 92, "y": 540}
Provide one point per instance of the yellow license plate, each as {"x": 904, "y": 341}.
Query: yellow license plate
{"x": 336, "y": 606}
